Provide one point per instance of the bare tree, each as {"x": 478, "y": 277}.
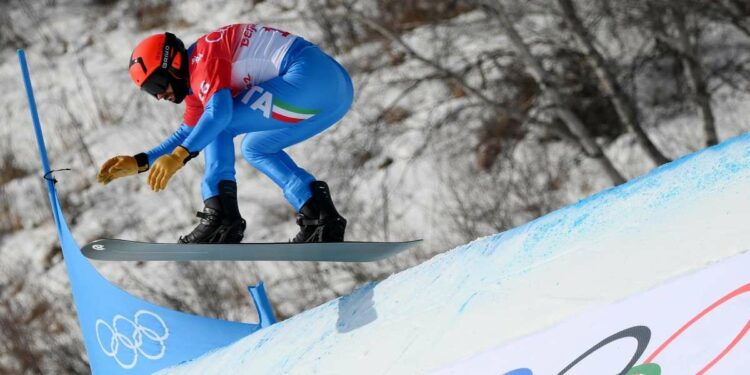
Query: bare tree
{"x": 574, "y": 123}
{"x": 34, "y": 331}
{"x": 732, "y": 12}
{"x": 662, "y": 16}
{"x": 624, "y": 105}
{"x": 480, "y": 204}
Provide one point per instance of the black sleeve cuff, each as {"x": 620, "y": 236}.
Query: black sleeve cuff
{"x": 191, "y": 155}
{"x": 142, "y": 160}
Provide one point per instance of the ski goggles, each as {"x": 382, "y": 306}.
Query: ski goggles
{"x": 157, "y": 83}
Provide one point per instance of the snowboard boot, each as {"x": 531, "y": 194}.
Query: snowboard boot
{"x": 220, "y": 220}
{"x": 318, "y": 219}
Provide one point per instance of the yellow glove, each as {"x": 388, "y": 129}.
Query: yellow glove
{"x": 165, "y": 167}
{"x": 116, "y": 167}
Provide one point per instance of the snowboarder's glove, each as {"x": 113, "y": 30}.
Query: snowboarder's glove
{"x": 116, "y": 167}
{"x": 166, "y": 166}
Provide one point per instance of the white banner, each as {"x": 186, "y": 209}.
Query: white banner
{"x": 693, "y": 325}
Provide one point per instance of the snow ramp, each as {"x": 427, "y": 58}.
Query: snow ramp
{"x": 649, "y": 277}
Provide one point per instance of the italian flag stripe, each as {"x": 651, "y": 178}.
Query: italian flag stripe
{"x": 291, "y": 108}
{"x": 288, "y": 113}
{"x": 280, "y": 117}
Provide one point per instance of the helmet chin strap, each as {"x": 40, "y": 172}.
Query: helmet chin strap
{"x": 180, "y": 89}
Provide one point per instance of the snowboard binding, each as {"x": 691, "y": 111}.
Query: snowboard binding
{"x": 220, "y": 220}
{"x": 214, "y": 229}
{"x": 318, "y": 219}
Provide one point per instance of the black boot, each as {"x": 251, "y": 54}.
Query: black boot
{"x": 234, "y": 224}
{"x": 318, "y": 219}
{"x": 220, "y": 220}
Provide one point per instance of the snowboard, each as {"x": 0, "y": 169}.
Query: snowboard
{"x": 124, "y": 250}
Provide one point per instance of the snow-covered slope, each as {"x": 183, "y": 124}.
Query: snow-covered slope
{"x": 680, "y": 218}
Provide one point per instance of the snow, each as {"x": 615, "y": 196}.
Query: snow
{"x": 679, "y": 218}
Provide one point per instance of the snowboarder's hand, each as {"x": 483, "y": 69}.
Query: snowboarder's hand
{"x": 165, "y": 167}
{"x": 116, "y": 167}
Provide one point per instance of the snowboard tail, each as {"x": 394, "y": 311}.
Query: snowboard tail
{"x": 124, "y": 250}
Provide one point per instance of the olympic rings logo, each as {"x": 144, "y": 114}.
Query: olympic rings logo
{"x": 642, "y": 335}
{"x": 127, "y": 338}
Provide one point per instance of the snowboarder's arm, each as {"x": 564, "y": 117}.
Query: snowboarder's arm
{"x": 125, "y": 165}
{"x": 166, "y": 147}
{"x": 215, "y": 118}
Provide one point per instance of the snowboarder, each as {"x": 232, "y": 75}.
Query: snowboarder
{"x": 275, "y": 87}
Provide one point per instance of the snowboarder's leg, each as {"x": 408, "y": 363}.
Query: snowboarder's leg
{"x": 221, "y": 221}
{"x": 280, "y": 168}
{"x": 317, "y": 217}
{"x": 264, "y": 150}
{"x": 219, "y": 160}
{"x": 309, "y": 98}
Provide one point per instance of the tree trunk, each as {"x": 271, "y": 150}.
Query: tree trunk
{"x": 571, "y": 120}
{"x": 623, "y": 105}
{"x": 694, "y": 74}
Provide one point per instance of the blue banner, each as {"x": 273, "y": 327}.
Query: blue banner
{"x": 124, "y": 334}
